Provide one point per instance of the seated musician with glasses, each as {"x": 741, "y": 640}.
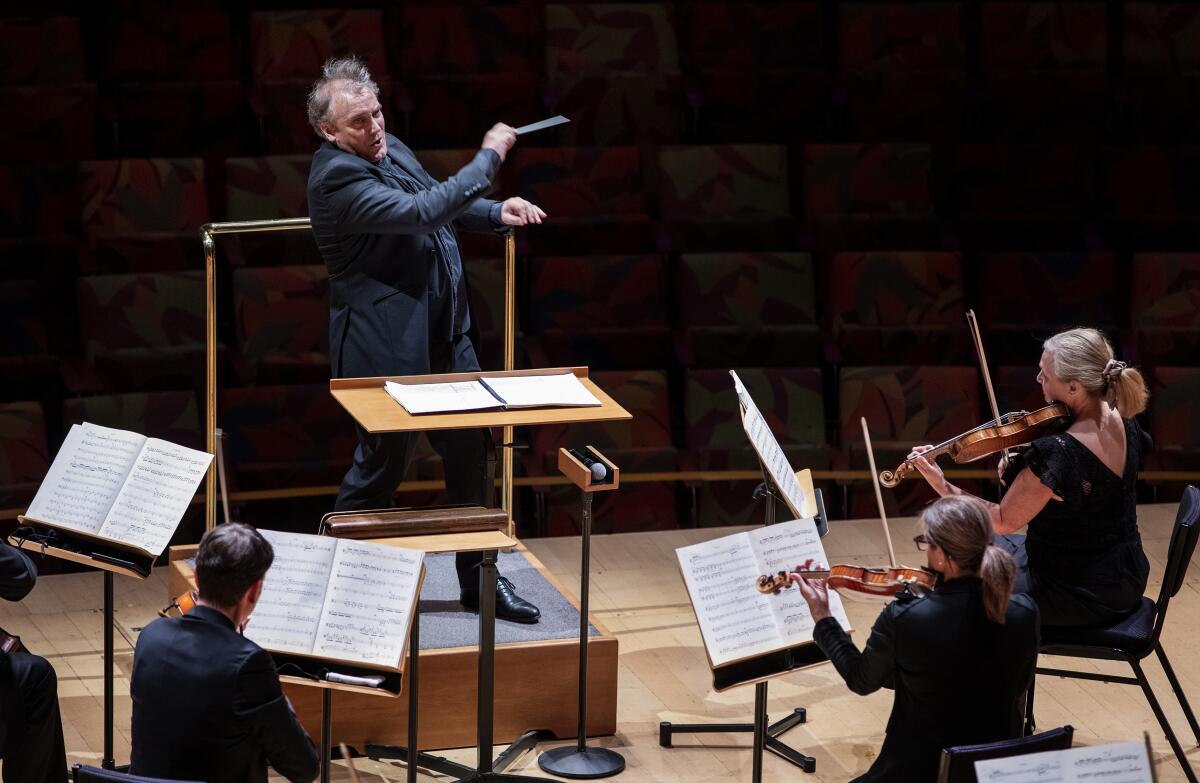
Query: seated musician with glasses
{"x": 207, "y": 704}
{"x": 1082, "y": 558}
{"x": 960, "y": 658}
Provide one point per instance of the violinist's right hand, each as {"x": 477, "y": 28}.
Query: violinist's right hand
{"x": 928, "y": 468}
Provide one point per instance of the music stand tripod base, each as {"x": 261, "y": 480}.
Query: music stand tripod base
{"x": 571, "y": 762}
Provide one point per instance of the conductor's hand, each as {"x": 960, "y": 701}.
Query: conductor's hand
{"x": 816, "y": 595}
{"x": 516, "y": 211}
{"x": 500, "y": 138}
{"x": 927, "y": 467}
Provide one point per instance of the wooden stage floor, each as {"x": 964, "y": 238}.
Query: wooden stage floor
{"x": 638, "y": 594}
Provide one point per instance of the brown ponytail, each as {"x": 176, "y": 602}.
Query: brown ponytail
{"x": 961, "y": 526}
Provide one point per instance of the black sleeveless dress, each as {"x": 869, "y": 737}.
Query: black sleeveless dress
{"x": 1082, "y": 558}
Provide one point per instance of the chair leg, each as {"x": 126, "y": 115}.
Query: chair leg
{"x": 1162, "y": 721}
{"x": 1030, "y": 723}
{"x": 1183, "y": 702}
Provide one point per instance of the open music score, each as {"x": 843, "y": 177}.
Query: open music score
{"x": 736, "y": 621}
{"x": 339, "y": 599}
{"x": 1121, "y": 762}
{"x": 771, "y": 454}
{"x": 118, "y": 487}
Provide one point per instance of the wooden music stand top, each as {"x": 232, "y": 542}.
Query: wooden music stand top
{"x": 374, "y": 410}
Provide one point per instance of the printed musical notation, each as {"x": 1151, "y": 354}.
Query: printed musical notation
{"x": 736, "y": 621}
{"x": 337, "y": 598}
{"x": 120, "y": 486}
{"x": 1122, "y": 762}
{"x": 767, "y": 447}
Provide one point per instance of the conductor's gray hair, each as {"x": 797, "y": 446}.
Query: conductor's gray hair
{"x": 347, "y": 75}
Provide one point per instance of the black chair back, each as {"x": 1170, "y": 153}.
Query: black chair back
{"x": 958, "y": 763}
{"x": 1179, "y": 554}
{"x": 82, "y": 773}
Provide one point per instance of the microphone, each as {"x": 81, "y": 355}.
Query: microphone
{"x": 599, "y": 469}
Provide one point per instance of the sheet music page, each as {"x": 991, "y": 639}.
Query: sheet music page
{"x": 768, "y": 449}
{"x": 86, "y": 477}
{"x": 535, "y": 391}
{"x": 736, "y": 621}
{"x": 1121, "y": 762}
{"x": 783, "y": 547}
{"x": 441, "y": 397}
{"x": 156, "y": 492}
{"x": 289, "y": 611}
{"x": 372, "y": 590}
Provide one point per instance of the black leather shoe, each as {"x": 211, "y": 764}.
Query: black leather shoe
{"x": 509, "y": 605}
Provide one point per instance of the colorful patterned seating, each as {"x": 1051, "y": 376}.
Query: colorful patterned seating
{"x": 33, "y": 200}
{"x": 181, "y": 118}
{"x": 642, "y": 444}
{"x": 153, "y": 195}
{"x": 1174, "y": 424}
{"x": 618, "y": 108}
{"x": 281, "y": 315}
{"x": 452, "y": 38}
{"x": 294, "y": 44}
{"x": 58, "y": 123}
{"x": 608, "y": 312}
{"x": 898, "y": 307}
{"x": 24, "y": 453}
{"x": 784, "y": 36}
{"x": 1015, "y": 324}
{"x": 266, "y": 188}
{"x": 904, "y": 407}
{"x": 605, "y": 38}
{"x": 187, "y": 46}
{"x": 169, "y": 415}
{"x": 41, "y": 51}
{"x": 282, "y": 437}
{"x": 791, "y": 400}
{"x": 143, "y": 331}
{"x": 456, "y": 110}
{"x": 1165, "y": 307}
{"x": 747, "y": 308}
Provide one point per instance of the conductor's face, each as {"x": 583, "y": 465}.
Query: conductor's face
{"x": 356, "y": 125}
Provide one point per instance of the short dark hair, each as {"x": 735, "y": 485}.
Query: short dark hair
{"x": 231, "y": 558}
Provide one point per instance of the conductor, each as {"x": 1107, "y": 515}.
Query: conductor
{"x": 397, "y": 289}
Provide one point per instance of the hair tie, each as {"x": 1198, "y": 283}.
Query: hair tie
{"x": 1111, "y": 370}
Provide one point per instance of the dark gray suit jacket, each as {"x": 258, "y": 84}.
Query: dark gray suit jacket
{"x": 17, "y": 577}
{"x": 375, "y": 232}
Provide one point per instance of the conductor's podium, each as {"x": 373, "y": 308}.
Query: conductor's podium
{"x": 535, "y": 683}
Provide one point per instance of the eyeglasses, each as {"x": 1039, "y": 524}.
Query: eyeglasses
{"x": 923, "y": 542}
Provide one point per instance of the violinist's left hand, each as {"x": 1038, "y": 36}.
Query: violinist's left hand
{"x": 927, "y": 467}
{"x": 816, "y": 595}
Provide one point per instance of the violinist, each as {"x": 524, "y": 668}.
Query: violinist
{"x": 960, "y": 659}
{"x": 1082, "y": 558}
{"x": 207, "y": 704}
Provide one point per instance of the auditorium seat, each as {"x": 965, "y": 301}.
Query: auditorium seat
{"x": 142, "y": 196}
{"x": 1173, "y": 421}
{"x": 485, "y": 283}
{"x": 28, "y": 357}
{"x": 870, "y": 196}
{"x": 1016, "y": 387}
{"x": 58, "y": 123}
{"x": 791, "y": 400}
{"x": 904, "y": 407}
{"x": 143, "y": 331}
{"x": 639, "y": 445}
{"x": 1044, "y": 70}
{"x": 1149, "y": 195}
{"x": 747, "y": 308}
{"x": 186, "y": 46}
{"x": 596, "y": 198}
{"x": 24, "y": 452}
{"x": 1159, "y": 85}
{"x": 1014, "y": 292}
{"x": 34, "y": 199}
{"x": 1165, "y": 308}
{"x": 41, "y": 50}
{"x": 725, "y": 197}
{"x": 902, "y": 70}
{"x": 167, "y": 415}
{"x": 447, "y": 39}
{"x": 608, "y": 312}
{"x": 210, "y": 118}
{"x": 456, "y": 110}
{"x": 266, "y": 188}
{"x": 285, "y": 437}
{"x": 904, "y": 307}
{"x": 281, "y": 317}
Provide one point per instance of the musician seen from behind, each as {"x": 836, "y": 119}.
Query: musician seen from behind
{"x": 960, "y": 658}
{"x": 31, "y": 733}
{"x": 397, "y": 287}
{"x": 207, "y": 704}
{"x": 1082, "y": 558}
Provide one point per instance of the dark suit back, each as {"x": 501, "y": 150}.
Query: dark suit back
{"x": 207, "y": 705}
{"x": 959, "y": 678}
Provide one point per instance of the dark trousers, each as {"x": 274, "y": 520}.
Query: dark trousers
{"x": 381, "y": 460}
{"x": 33, "y": 748}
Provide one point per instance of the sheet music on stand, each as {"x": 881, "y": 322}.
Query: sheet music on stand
{"x": 1121, "y": 762}
{"x": 771, "y": 454}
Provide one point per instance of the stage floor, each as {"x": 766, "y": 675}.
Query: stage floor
{"x": 638, "y": 594}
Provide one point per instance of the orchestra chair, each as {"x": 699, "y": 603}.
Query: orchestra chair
{"x": 1134, "y": 637}
{"x": 958, "y": 763}
{"x": 83, "y": 773}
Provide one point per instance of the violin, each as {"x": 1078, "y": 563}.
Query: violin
{"x": 1010, "y": 429}
{"x": 852, "y": 579}
{"x": 180, "y": 605}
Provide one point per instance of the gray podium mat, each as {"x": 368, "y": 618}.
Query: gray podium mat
{"x": 445, "y": 623}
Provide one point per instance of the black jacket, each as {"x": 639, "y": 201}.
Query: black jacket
{"x": 959, "y": 678}
{"x": 17, "y": 577}
{"x": 207, "y": 706}
{"x": 376, "y": 231}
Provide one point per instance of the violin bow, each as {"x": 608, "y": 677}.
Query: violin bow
{"x": 349, "y": 761}
{"x": 878, "y": 494}
{"x": 983, "y": 366}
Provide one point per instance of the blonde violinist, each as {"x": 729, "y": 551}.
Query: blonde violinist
{"x": 1081, "y": 558}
